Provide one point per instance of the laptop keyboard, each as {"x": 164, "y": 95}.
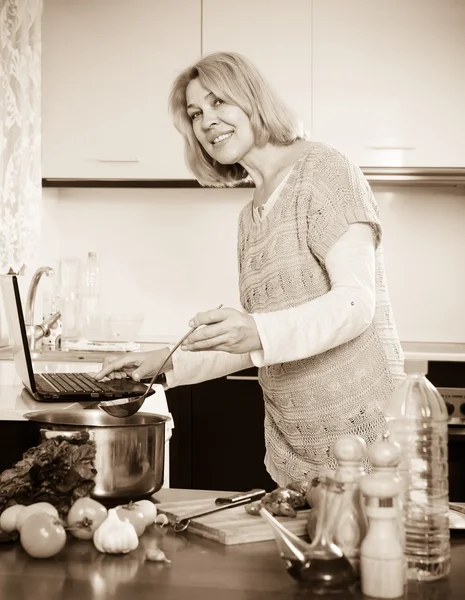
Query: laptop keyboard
{"x": 72, "y": 382}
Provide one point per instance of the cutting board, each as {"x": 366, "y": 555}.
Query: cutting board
{"x": 233, "y": 525}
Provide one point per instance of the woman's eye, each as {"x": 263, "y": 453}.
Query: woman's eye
{"x": 194, "y": 115}
{"x": 217, "y": 102}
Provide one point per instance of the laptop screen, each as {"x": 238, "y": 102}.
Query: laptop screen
{"x": 17, "y": 329}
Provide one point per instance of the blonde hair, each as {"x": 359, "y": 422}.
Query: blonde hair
{"x": 236, "y": 80}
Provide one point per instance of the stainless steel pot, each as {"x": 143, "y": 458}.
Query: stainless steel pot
{"x": 130, "y": 453}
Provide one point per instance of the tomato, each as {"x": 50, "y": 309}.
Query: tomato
{"x": 38, "y": 507}
{"x": 9, "y": 518}
{"x": 148, "y": 509}
{"x": 133, "y": 514}
{"x": 84, "y": 517}
{"x": 42, "y": 535}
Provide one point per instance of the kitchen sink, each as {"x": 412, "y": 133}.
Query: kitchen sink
{"x": 93, "y": 356}
{"x": 63, "y": 356}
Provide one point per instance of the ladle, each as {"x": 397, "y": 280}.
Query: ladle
{"x": 125, "y": 407}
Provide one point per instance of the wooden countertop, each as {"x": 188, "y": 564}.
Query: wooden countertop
{"x": 200, "y": 570}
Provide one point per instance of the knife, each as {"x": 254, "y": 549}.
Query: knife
{"x": 221, "y": 503}
{"x": 460, "y": 508}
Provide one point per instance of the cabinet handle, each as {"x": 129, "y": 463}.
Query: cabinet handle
{"x": 242, "y": 377}
{"x": 392, "y": 147}
{"x": 118, "y": 160}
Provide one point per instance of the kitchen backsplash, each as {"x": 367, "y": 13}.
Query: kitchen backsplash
{"x": 169, "y": 253}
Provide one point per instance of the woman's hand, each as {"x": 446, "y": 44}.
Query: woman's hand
{"x": 224, "y": 329}
{"x": 134, "y": 364}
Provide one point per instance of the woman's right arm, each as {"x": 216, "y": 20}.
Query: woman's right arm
{"x": 136, "y": 365}
{"x": 183, "y": 367}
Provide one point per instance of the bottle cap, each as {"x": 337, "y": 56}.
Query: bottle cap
{"x": 350, "y": 449}
{"x": 385, "y": 453}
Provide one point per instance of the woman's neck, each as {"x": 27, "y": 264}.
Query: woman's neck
{"x": 265, "y": 165}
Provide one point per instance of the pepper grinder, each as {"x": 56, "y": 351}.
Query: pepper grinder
{"x": 385, "y": 456}
{"x": 350, "y": 452}
{"x": 382, "y": 564}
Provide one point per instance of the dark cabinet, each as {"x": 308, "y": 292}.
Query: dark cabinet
{"x": 218, "y": 440}
{"x": 179, "y": 404}
{"x": 15, "y": 438}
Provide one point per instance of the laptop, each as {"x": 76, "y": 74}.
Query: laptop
{"x": 55, "y": 387}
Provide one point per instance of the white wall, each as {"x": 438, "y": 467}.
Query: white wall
{"x": 170, "y": 253}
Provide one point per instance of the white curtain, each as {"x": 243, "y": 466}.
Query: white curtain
{"x": 20, "y": 132}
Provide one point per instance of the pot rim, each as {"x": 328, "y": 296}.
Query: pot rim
{"x": 94, "y": 418}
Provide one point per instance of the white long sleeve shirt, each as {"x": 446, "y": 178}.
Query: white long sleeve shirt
{"x": 332, "y": 319}
{"x": 306, "y": 330}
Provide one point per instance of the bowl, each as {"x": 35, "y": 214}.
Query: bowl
{"x": 125, "y": 327}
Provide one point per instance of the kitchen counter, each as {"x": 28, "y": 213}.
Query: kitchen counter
{"x": 200, "y": 570}
{"x": 15, "y": 400}
{"x": 432, "y": 351}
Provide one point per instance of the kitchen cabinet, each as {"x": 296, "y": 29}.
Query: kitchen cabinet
{"x": 228, "y": 445}
{"x": 107, "y": 68}
{"x": 218, "y": 439}
{"x": 274, "y": 34}
{"x": 388, "y": 80}
{"x": 179, "y": 401}
{"x": 15, "y": 438}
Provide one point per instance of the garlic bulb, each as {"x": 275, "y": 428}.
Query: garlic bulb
{"x": 115, "y": 536}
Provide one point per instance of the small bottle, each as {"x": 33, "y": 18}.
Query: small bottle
{"x": 350, "y": 452}
{"x": 416, "y": 416}
{"x": 90, "y": 294}
{"x": 382, "y": 563}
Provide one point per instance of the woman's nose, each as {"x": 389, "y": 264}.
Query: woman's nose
{"x": 209, "y": 120}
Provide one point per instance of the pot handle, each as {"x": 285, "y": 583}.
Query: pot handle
{"x": 48, "y": 434}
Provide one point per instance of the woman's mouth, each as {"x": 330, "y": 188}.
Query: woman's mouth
{"x": 222, "y": 138}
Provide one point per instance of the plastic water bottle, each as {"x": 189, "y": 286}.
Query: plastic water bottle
{"x": 417, "y": 417}
{"x": 90, "y": 295}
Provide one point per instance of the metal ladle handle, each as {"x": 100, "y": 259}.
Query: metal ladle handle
{"x": 172, "y": 351}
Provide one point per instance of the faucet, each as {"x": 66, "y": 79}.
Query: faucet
{"x": 35, "y": 331}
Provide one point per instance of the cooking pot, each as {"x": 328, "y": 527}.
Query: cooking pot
{"x": 130, "y": 452}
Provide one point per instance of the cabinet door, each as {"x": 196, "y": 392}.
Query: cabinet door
{"x": 389, "y": 80}
{"x": 180, "y": 407}
{"x": 228, "y": 445}
{"x": 107, "y": 68}
{"x": 274, "y": 34}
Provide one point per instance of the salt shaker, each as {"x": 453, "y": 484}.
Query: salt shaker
{"x": 382, "y": 563}
{"x": 351, "y": 527}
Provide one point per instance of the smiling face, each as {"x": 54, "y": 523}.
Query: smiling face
{"x": 223, "y": 130}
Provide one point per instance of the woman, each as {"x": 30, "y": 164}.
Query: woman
{"x": 317, "y": 319}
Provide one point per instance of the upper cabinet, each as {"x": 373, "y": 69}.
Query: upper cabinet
{"x": 107, "y": 68}
{"x": 275, "y": 35}
{"x": 383, "y": 80}
{"x": 389, "y": 80}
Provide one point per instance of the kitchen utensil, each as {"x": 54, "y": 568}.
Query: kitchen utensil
{"x": 230, "y": 527}
{"x": 125, "y": 407}
{"x": 457, "y": 506}
{"x": 182, "y": 523}
{"x": 130, "y": 454}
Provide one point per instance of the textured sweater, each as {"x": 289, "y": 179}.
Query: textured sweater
{"x": 309, "y": 403}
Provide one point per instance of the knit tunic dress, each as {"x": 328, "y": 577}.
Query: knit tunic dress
{"x": 309, "y": 403}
